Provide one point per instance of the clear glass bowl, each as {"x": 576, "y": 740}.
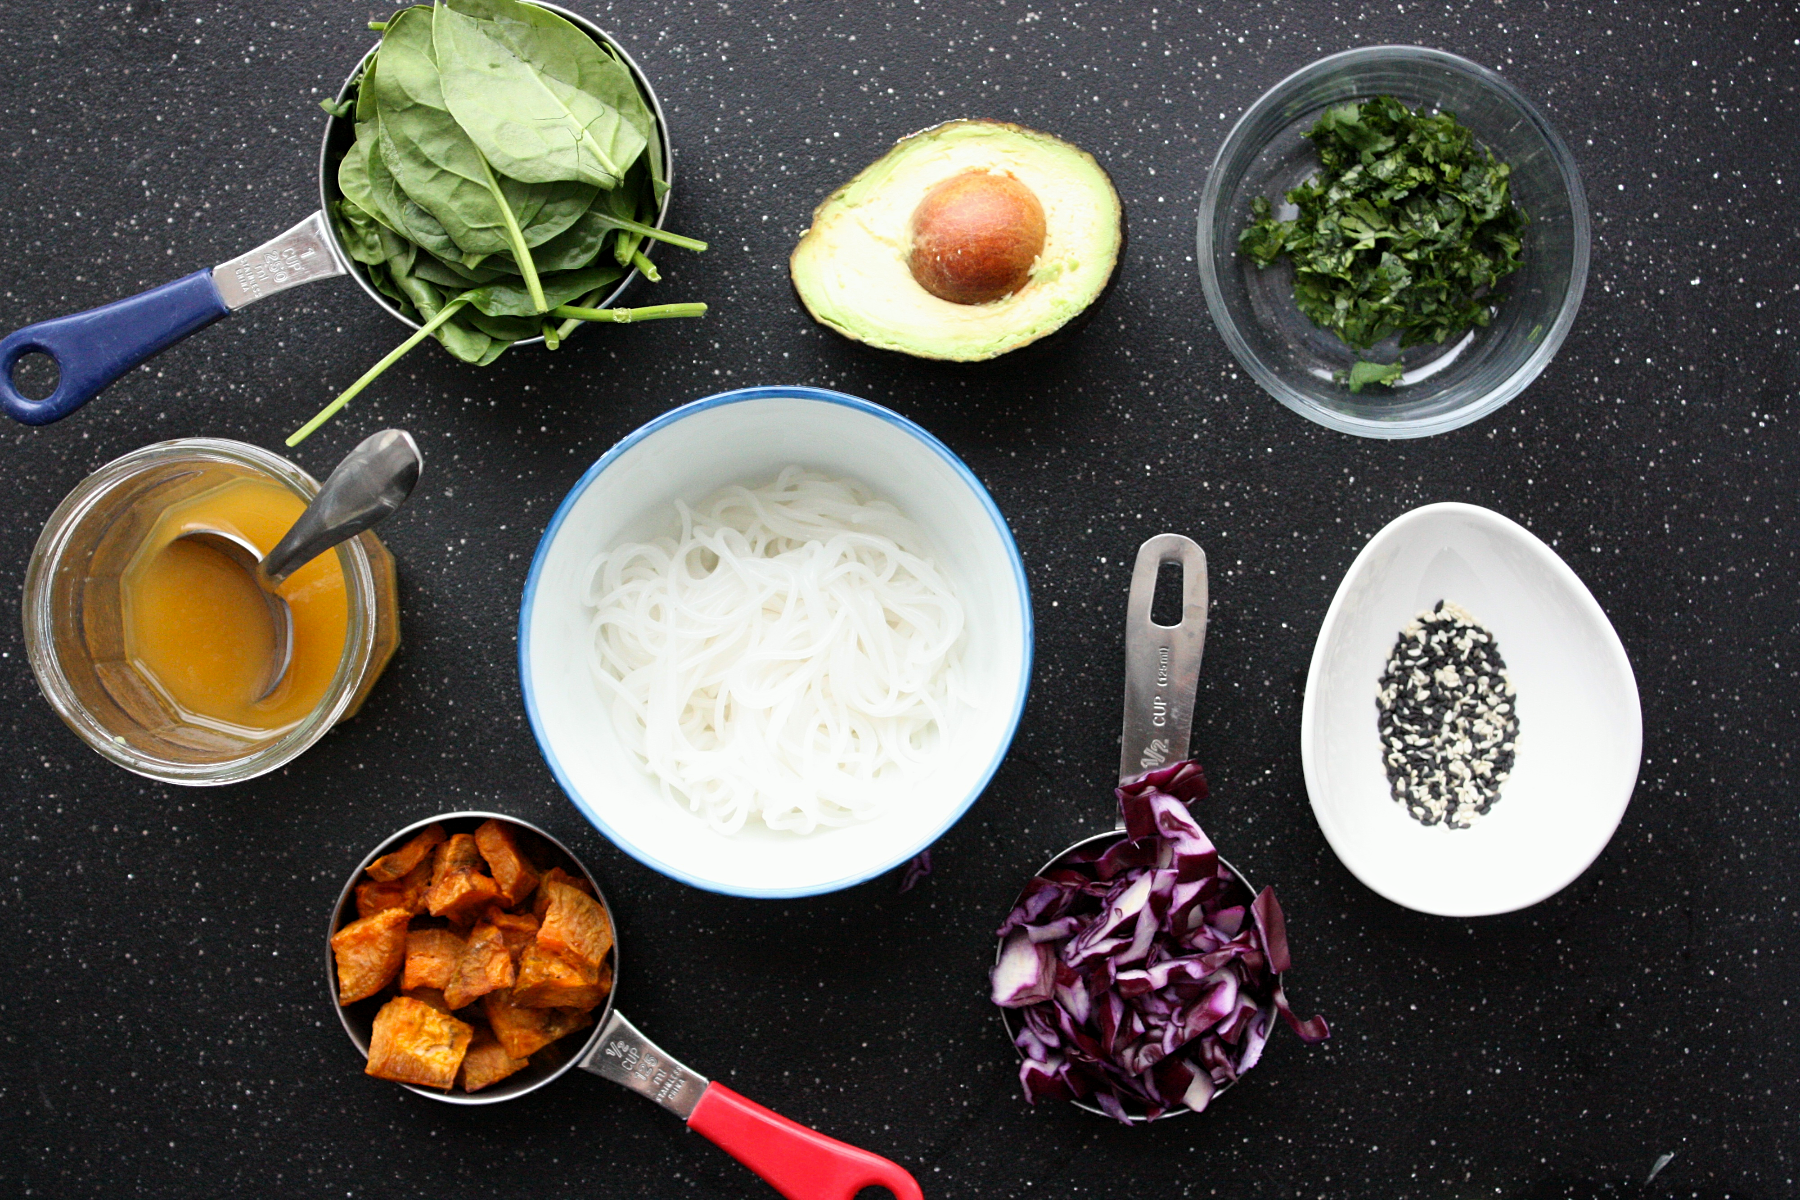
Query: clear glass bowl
{"x": 75, "y": 640}
{"x": 1445, "y": 386}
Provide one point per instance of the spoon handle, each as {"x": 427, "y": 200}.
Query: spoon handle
{"x": 373, "y": 480}
{"x": 1162, "y": 662}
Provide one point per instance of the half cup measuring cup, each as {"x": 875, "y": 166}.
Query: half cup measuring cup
{"x": 797, "y": 1162}
{"x": 92, "y": 349}
{"x": 1162, "y": 672}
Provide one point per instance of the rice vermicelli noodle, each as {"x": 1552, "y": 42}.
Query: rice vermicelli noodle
{"x": 792, "y": 655}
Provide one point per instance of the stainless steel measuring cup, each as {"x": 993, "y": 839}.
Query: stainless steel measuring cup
{"x": 1162, "y": 671}
{"x": 798, "y": 1162}
{"x": 94, "y": 348}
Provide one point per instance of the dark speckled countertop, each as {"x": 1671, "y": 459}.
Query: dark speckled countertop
{"x": 163, "y": 1030}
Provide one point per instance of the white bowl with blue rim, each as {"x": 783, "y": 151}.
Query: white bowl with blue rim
{"x": 1581, "y": 729}
{"x": 747, "y": 436}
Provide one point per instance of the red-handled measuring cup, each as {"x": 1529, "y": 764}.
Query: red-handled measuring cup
{"x": 800, "y": 1163}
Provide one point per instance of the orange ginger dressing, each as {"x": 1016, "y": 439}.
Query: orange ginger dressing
{"x": 200, "y": 635}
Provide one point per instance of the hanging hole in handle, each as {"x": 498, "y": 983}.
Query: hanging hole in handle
{"x": 35, "y": 375}
{"x": 874, "y": 1192}
{"x": 1168, "y": 604}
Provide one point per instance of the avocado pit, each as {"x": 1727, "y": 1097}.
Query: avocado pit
{"x": 975, "y": 236}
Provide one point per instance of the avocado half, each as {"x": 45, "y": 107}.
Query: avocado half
{"x": 854, "y": 269}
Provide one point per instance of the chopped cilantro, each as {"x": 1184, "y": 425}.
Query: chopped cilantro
{"x": 1362, "y": 374}
{"x": 1406, "y": 229}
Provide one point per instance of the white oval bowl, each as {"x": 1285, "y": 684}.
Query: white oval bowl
{"x": 747, "y": 436}
{"x": 1580, "y": 727}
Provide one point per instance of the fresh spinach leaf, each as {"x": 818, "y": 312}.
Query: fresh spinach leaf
{"x": 464, "y": 341}
{"x": 359, "y": 232}
{"x": 455, "y": 275}
{"x": 433, "y": 160}
{"x": 386, "y": 202}
{"x": 525, "y": 87}
{"x": 353, "y": 182}
{"x": 503, "y": 329}
{"x": 364, "y": 108}
{"x": 511, "y": 300}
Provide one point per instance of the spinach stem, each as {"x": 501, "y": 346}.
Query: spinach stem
{"x": 349, "y": 393}
{"x": 569, "y": 324}
{"x": 651, "y": 231}
{"x": 629, "y": 316}
{"x": 646, "y": 266}
{"x": 378, "y": 26}
{"x": 521, "y": 253}
{"x": 625, "y": 245}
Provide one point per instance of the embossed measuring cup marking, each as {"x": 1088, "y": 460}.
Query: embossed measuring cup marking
{"x": 800, "y": 1163}
{"x": 92, "y": 349}
{"x": 1162, "y": 671}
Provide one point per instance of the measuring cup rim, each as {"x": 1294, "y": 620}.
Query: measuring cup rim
{"x": 498, "y": 1092}
{"x": 339, "y": 128}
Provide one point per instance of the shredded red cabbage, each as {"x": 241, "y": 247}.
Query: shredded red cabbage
{"x": 1145, "y": 974}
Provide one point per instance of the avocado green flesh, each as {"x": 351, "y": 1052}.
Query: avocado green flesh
{"x": 851, "y": 270}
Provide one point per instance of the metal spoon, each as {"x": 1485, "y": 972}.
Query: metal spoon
{"x": 1162, "y": 671}
{"x": 373, "y": 480}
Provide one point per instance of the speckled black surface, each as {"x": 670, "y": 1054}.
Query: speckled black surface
{"x": 163, "y": 1024}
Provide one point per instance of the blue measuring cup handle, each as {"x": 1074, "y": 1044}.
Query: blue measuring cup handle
{"x": 95, "y": 347}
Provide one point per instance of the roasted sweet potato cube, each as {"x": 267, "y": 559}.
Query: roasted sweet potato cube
{"x": 521, "y": 1030}
{"x": 487, "y": 1062}
{"x": 560, "y": 1022}
{"x": 431, "y": 996}
{"x": 518, "y": 929}
{"x": 546, "y": 980}
{"x": 541, "y": 900}
{"x": 407, "y": 892}
{"x": 575, "y": 926}
{"x": 415, "y": 1043}
{"x": 512, "y": 874}
{"x": 459, "y": 890}
{"x": 461, "y": 897}
{"x": 369, "y": 952}
{"x": 431, "y": 958}
{"x": 484, "y": 967}
{"x": 402, "y": 861}
{"x": 454, "y": 856}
